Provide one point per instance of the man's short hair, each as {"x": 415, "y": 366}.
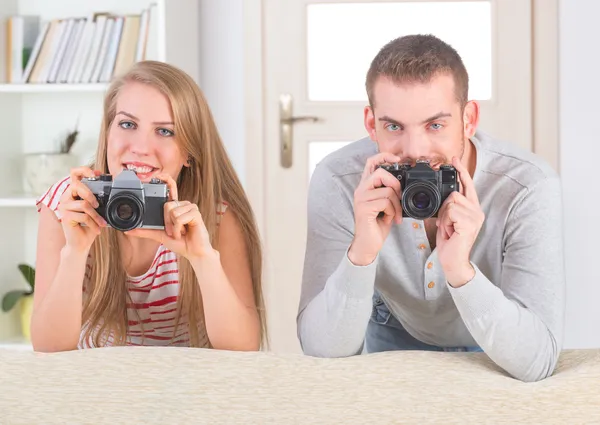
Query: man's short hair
{"x": 417, "y": 59}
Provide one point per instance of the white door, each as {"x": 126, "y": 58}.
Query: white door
{"x": 316, "y": 58}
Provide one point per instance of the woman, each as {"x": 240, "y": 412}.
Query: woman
{"x": 195, "y": 283}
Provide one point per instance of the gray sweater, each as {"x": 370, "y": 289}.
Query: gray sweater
{"x": 513, "y": 308}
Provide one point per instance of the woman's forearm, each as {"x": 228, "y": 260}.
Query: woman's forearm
{"x": 230, "y": 324}
{"x": 56, "y": 322}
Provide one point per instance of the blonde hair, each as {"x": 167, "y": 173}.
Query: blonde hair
{"x": 209, "y": 180}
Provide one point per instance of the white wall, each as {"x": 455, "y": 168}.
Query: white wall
{"x": 222, "y": 72}
{"x": 580, "y": 151}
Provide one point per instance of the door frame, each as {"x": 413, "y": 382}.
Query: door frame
{"x": 545, "y": 100}
{"x": 545, "y": 87}
{"x": 254, "y": 116}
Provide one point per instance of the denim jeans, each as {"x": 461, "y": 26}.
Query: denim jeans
{"x": 385, "y": 333}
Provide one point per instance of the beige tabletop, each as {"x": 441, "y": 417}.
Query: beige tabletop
{"x": 182, "y": 385}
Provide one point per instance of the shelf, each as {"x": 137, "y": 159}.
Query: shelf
{"x": 16, "y": 344}
{"x": 18, "y": 201}
{"x": 52, "y": 88}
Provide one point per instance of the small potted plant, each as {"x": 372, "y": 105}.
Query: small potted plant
{"x": 42, "y": 170}
{"x": 22, "y": 297}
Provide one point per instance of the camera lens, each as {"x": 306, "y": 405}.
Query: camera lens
{"x": 421, "y": 200}
{"x": 125, "y": 211}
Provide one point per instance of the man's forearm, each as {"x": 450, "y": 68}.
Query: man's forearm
{"x": 514, "y": 337}
{"x": 334, "y": 323}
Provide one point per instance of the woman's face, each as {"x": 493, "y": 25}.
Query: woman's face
{"x": 142, "y": 136}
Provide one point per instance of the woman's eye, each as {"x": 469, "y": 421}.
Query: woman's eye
{"x": 436, "y": 126}
{"x": 126, "y": 125}
{"x": 165, "y": 132}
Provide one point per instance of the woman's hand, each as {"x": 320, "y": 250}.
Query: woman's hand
{"x": 80, "y": 221}
{"x": 185, "y": 232}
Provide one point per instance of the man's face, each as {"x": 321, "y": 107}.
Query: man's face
{"x": 420, "y": 121}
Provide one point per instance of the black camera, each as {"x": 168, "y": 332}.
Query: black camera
{"x": 423, "y": 188}
{"x": 126, "y": 203}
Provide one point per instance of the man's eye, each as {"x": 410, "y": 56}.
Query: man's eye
{"x": 165, "y": 132}
{"x": 126, "y": 124}
{"x": 436, "y": 126}
{"x": 393, "y": 127}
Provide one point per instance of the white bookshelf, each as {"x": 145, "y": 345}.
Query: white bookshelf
{"x": 23, "y": 201}
{"x": 34, "y": 116}
{"x": 18, "y": 344}
{"x": 52, "y": 88}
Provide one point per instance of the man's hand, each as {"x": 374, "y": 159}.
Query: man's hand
{"x": 459, "y": 221}
{"x": 378, "y": 191}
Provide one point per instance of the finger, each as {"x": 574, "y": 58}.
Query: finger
{"x": 85, "y": 207}
{"x": 443, "y": 222}
{"x": 447, "y": 228}
{"x": 453, "y": 198}
{"x": 456, "y": 217}
{"x": 181, "y": 216}
{"x": 379, "y": 193}
{"x": 74, "y": 219}
{"x": 383, "y": 181}
{"x": 458, "y": 198}
{"x": 381, "y": 178}
{"x": 171, "y": 185}
{"x": 461, "y": 217}
{"x": 78, "y": 172}
{"x": 168, "y": 208}
{"x": 168, "y": 214}
{"x": 374, "y": 161}
{"x": 466, "y": 182}
{"x": 181, "y": 205}
{"x": 441, "y": 234}
{"x": 191, "y": 218}
{"x": 397, "y": 209}
{"x": 79, "y": 190}
{"x": 154, "y": 234}
{"x": 391, "y": 195}
{"x": 384, "y": 206}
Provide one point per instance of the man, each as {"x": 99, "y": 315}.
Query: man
{"x": 484, "y": 273}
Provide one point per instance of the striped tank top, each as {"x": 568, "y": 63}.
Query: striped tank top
{"x": 153, "y": 294}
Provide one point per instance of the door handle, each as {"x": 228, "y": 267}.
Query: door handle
{"x": 286, "y": 129}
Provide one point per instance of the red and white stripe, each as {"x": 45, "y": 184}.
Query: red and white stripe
{"x": 51, "y": 198}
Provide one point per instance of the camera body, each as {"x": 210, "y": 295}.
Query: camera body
{"x": 126, "y": 203}
{"x": 424, "y": 189}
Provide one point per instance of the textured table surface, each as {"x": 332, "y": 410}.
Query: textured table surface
{"x": 183, "y": 385}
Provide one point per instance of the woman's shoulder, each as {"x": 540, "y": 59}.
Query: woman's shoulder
{"x": 51, "y": 197}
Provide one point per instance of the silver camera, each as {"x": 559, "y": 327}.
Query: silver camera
{"x": 126, "y": 203}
